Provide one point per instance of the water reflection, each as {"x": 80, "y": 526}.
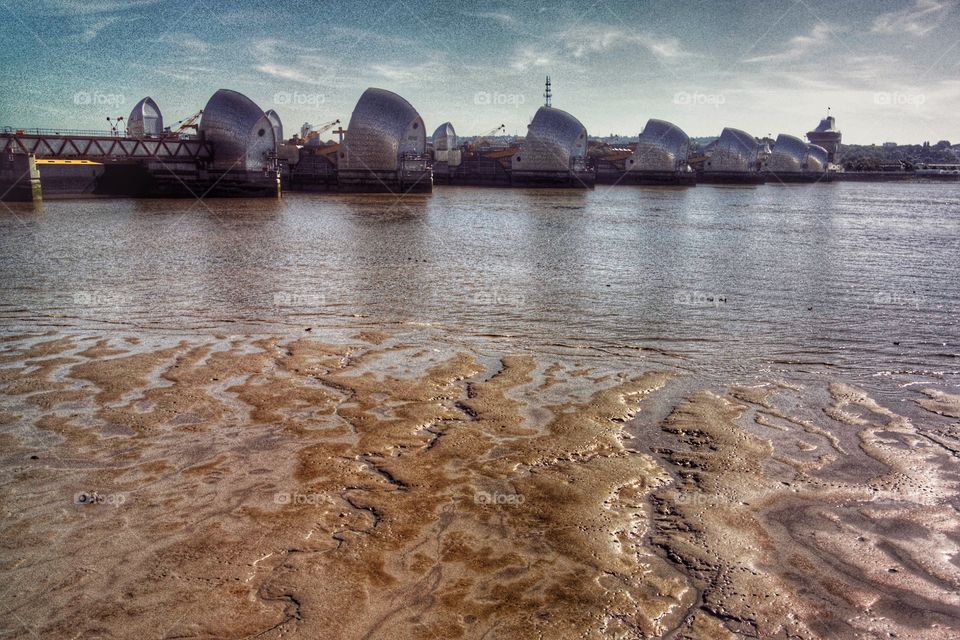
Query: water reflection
{"x": 386, "y": 257}
{"x": 747, "y": 274}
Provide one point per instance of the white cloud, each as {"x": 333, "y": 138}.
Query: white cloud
{"x": 352, "y": 37}
{"x": 587, "y": 39}
{"x": 570, "y": 50}
{"x": 185, "y": 42}
{"x": 429, "y": 71}
{"x": 311, "y": 66}
{"x": 502, "y": 18}
{"x": 867, "y": 71}
{"x": 525, "y": 58}
{"x": 92, "y": 29}
{"x": 176, "y": 75}
{"x": 662, "y": 47}
{"x": 287, "y": 61}
{"x": 919, "y": 20}
{"x": 800, "y": 80}
{"x": 87, "y": 7}
{"x": 800, "y": 46}
{"x": 285, "y": 72}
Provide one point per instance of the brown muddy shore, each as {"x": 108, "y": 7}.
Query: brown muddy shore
{"x": 385, "y": 487}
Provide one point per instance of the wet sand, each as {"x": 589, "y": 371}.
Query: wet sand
{"x": 379, "y": 485}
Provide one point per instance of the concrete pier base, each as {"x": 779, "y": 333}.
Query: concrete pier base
{"x": 731, "y": 177}
{"x": 19, "y": 178}
{"x": 186, "y": 180}
{"x": 554, "y": 179}
{"x": 396, "y": 182}
{"x": 313, "y": 172}
{"x": 774, "y": 177}
{"x": 635, "y": 177}
{"x": 473, "y": 171}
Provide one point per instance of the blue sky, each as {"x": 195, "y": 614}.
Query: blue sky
{"x": 890, "y": 70}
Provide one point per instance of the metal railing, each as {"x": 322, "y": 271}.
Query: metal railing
{"x": 36, "y": 131}
{"x": 92, "y": 133}
{"x": 58, "y": 145}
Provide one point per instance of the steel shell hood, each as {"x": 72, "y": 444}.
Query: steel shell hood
{"x": 240, "y": 132}
{"x": 735, "y": 150}
{"x": 274, "y": 119}
{"x": 663, "y": 146}
{"x": 789, "y": 155}
{"x": 383, "y": 127}
{"x": 444, "y": 138}
{"x": 145, "y": 119}
{"x": 555, "y": 140}
{"x": 817, "y": 158}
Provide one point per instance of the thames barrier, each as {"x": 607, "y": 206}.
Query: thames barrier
{"x": 232, "y": 147}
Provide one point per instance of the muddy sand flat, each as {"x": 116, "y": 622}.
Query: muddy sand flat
{"x": 378, "y": 487}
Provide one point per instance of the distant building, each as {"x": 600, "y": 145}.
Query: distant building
{"x": 827, "y": 135}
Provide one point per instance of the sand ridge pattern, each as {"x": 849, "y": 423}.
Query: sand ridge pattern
{"x": 380, "y": 487}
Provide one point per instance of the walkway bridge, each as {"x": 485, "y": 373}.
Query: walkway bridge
{"x": 99, "y": 146}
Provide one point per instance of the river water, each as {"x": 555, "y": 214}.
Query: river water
{"x": 484, "y": 413}
{"x": 864, "y": 278}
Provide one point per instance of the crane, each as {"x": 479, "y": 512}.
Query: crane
{"x": 482, "y": 138}
{"x": 496, "y": 129}
{"x": 313, "y": 135}
{"x": 186, "y": 123}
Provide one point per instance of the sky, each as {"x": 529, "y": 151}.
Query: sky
{"x": 889, "y": 70}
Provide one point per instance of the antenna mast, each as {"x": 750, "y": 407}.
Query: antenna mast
{"x": 548, "y": 94}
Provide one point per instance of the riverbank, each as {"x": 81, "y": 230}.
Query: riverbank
{"x": 388, "y": 485}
